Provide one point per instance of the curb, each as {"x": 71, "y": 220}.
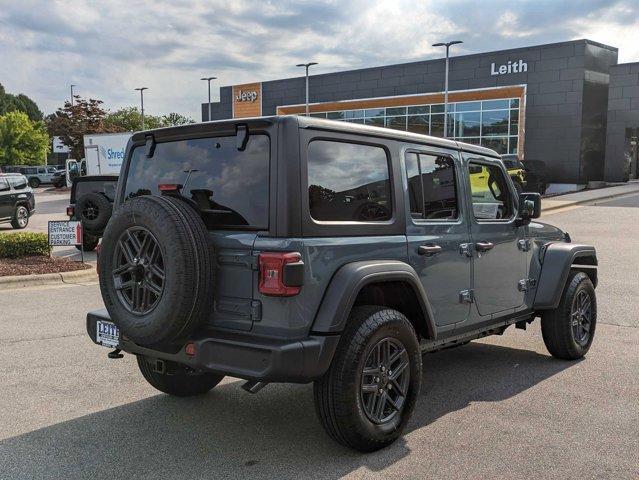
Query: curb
{"x": 76, "y": 276}
{"x": 557, "y": 204}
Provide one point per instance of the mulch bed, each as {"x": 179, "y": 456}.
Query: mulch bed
{"x": 38, "y": 264}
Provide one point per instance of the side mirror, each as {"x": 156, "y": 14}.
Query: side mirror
{"x": 529, "y": 207}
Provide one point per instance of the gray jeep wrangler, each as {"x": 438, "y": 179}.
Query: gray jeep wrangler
{"x": 294, "y": 249}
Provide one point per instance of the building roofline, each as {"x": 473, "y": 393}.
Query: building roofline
{"x": 437, "y": 59}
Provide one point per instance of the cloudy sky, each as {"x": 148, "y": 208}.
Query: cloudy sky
{"x": 109, "y": 47}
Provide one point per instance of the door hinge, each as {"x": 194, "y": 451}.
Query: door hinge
{"x": 525, "y": 284}
{"x": 466, "y": 296}
{"x": 466, "y": 249}
{"x": 523, "y": 245}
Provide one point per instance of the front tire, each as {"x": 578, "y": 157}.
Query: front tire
{"x": 569, "y": 330}
{"x": 20, "y": 218}
{"x": 178, "y": 380}
{"x": 367, "y": 396}
{"x": 34, "y": 182}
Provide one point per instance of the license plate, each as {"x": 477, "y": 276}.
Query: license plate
{"x": 108, "y": 334}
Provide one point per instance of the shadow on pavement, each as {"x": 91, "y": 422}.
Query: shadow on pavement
{"x": 229, "y": 433}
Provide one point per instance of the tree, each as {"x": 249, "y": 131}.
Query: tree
{"x": 22, "y": 142}
{"x": 174, "y": 119}
{"x": 129, "y": 119}
{"x": 19, "y": 103}
{"x": 72, "y": 122}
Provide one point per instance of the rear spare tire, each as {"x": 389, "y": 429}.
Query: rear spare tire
{"x": 156, "y": 270}
{"x": 94, "y": 211}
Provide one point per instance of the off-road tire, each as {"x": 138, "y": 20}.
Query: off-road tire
{"x": 179, "y": 382}
{"x": 94, "y": 211}
{"x": 34, "y": 182}
{"x": 187, "y": 293}
{"x": 556, "y": 325}
{"x": 21, "y": 215}
{"x": 89, "y": 242}
{"x": 338, "y": 400}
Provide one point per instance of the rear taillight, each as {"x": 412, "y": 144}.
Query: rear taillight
{"x": 98, "y": 248}
{"x": 281, "y": 274}
{"x": 70, "y": 210}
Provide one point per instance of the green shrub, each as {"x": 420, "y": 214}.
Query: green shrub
{"x": 14, "y": 245}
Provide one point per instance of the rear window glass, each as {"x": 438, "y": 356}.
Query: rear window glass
{"x": 104, "y": 187}
{"x": 18, "y": 182}
{"x": 348, "y": 182}
{"x": 230, "y": 187}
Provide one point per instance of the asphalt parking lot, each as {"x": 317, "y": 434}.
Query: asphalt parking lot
{"x": 500, "y": 407}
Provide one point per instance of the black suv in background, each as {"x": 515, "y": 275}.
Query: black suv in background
{"x": 91, "y": 203}
{"x": 17, "y": 202}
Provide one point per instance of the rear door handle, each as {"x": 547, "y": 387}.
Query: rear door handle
{"x": 429, "y": 250}
{"x": 484, "y": 246}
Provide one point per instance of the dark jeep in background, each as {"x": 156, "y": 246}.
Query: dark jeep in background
{"x": 294, "y": 249}
{"x": 17, "y": 202}
{"x": 91, "y": 203}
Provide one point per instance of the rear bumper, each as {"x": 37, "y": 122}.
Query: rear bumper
{"x": 243, "y": 355}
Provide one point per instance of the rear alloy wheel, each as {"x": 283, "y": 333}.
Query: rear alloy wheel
{"x": 34, "y": 182}
{"x": 21, "y": 218}
{"x": 367, "y": 396}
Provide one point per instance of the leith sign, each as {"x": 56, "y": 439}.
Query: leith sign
{"x": 518, "y": 66}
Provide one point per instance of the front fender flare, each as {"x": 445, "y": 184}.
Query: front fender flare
{"x": 351, "y": 278}
{"x": 558, "y": 260}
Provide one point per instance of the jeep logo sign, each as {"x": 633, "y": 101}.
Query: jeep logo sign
{"x": 518, "y": 66}
{"x": 250, "y": 96}
{"x": 247, "y": 100}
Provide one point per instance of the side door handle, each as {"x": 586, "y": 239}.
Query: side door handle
{"x": 429, "y": 250}
{"x": 484, "y": 246}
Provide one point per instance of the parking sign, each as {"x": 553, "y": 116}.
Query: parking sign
{"x": 65, "y": 233}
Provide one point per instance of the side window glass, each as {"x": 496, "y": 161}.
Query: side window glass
{"x": 41, "y": 171}
{"x": 4, "y": 185}
{"x": 348, "y": 182}
{"x": 432, "y": 187}
{"x": 490, "y": 194}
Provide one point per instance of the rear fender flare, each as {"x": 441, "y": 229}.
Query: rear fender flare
{"x": 351, "y": 278}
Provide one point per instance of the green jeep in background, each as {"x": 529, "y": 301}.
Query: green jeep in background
{"x": 295, "y": 249}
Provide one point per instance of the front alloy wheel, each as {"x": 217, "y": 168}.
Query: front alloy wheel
{"x": 138, "y": 271}
{"x": 581, "y": 316}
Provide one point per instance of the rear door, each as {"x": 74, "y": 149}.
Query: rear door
{"x": 6, "y": 202}
{"x": 500, "y": 258}
{"x": 230, "y": 187}
{"x": 437, "y": 232}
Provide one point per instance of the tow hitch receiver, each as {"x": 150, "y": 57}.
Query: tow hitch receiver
{"x": 253, "y": 386}
{"x": 115, "y": 354}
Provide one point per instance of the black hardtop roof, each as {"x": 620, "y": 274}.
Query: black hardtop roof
{"x": 207, "y": 128}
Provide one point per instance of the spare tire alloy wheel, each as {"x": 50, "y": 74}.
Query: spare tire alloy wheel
{"x": 138, "y": 270}
{"x": 94, "y": 211}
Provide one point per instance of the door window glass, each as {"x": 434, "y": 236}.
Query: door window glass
{"x": 431, "y": 186}
{"x": 348, "y": 182}
{"x": 489, "y": 190}
{"x": 4, "y": 185}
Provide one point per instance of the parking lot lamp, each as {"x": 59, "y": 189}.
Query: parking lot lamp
{"x": 447, "y": 45}
{"x": 208, "y": 79}
{"x": 306, "y": 65}
{"x": 141, "y": 89}
{"x": 72, "y": 85}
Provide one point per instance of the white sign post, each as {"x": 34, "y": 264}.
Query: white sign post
{"x": 65, "y": 234}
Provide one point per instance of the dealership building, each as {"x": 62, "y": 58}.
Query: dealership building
{"x": 569, "y": 105}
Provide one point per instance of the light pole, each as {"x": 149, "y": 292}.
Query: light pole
{"x": 141, "y": 89}
{"x": 447, "y": 45}
{"x": 208, "y": 79}
{"x": 306, "y": 65}
{"x": 72, "y": 85}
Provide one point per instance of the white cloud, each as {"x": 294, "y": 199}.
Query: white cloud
{"x": 108, "y": 48}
